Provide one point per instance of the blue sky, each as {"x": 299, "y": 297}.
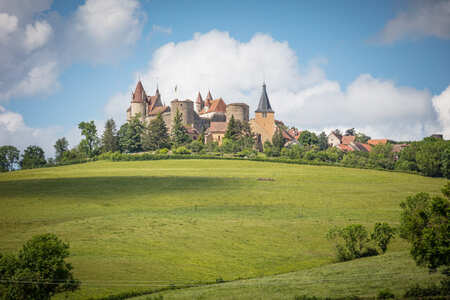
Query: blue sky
{"x": 336, "y": 43}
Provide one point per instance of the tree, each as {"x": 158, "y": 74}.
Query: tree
{"x": 381, "y": 156}
{"x": 9, "y": 156}
{"x": 233, "y": 129}
{"x": 308, "y": 138}
{"x": 89, "y": 130}
{"x": 110, "y": 141}
{"x": 61, "y": 146}
{"x": 351, "y": 241}
{"x": 362, "y": 138}
{"x": 350, "y": 131}
{"x": 33, "y": 157}
{"x": 39, "y": 271}
{"x": 179, "y": 132}
{"x": 156, "y": 135}
{"x": 425, "y": 224}
{"x": 130, "y": 135}
{"x": 323, "y": 141}
{"x": 278, "y": 142}
{"x": 381, "y": 235}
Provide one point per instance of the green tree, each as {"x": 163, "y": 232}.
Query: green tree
{"x": 429, "y": 156}
{"x": 33, "y": 157}
{"x": 350, "y": 131}
{"x": 38, "y": 272}
{"x": 362, "y": 138}
{"x": 351, "y": 241}
{"x": 233, "y": 129}
{"x": 382, "y": 156}
{"x": 9, "y": 156}
{"x": 110, "y": 140}
{"x": 424, "y": 223}
{"x": 278, "y": 142}
{"x": 89, "y": 131}
{"x": 156, "y": 135}
{"x": 323, "y": 141}
{"x": 61, "y": 146}
{"x": 381, "y": 235}
{"x": 308, "y": 138}
{"x": 179, "y": 132}
{"x": 130, "y": 135}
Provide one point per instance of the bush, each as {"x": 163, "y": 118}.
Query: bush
{"x": 162, "y": 151}
{"x": 196, "y": 146}
{"x": 381, "y": 235}
{"x": 182, "y": 150}
{"x": 385, "y": 294}
{"x": 351, "y": 241}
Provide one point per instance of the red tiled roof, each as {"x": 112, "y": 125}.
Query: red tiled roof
{"x": 367, "y": 147}
{"x": 139, "y": 93}
{"x": 344, "y": 147}
{"x": 158, "y": 110}
{"x": 377, "y": 142}
{"x": 217, "y": 105}
{"x": 217, "y": 127}
{"x": 399, "y": 147}
{"x": 347, "y": 139}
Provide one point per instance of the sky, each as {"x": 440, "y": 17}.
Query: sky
{"x": 382, "y": 67}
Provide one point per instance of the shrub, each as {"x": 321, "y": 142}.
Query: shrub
{"x": 351, "y": 241}
{"x": 162, "y": 151}
{"x": 182, "y": 150}
{"x": 385, "y": 294}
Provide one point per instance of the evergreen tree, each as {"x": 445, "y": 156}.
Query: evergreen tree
{"x": 130, "y": 135}
{"x": 179, "y": 132}
{"x": 156, "y": 135}
{"x": 33, "y": 157}
{"x": 233, "y": 129}
{"x": 110, "y": 141}
{"x": 9, "y": 156}
{"x": 247, "y": 138}
{"x": 61, "y": 146}
{"x": 89, "y": 130}
{"x": 323, "y": 141}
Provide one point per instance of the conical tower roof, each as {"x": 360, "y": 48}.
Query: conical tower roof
{"x": 139, "y": 93}
{"x": 199, "y": 98}
{"x": 264, "y": 104}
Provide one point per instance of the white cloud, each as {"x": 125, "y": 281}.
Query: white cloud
{"x": 37, "y": 35}
{"x": 442, "y": 105}
{"x": 300, "y": 94}
{"x": 116, "y": 106}
{"x": 40, "y": 43}
{"x": 8, "y": 24}
{"x": 14, "y": 131}
{"x": 423, "y": 18}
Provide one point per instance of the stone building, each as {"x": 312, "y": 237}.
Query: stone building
{"x": 263, "y": 125}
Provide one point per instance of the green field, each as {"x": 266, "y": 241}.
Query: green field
{"x": 149, "y": 224}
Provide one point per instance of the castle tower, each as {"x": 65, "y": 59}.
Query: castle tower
{"x": 264, "y": 122}
{"x": 199, "y": 103}
{"x": 208, "y": 100}
{"x": 138, "y": 101}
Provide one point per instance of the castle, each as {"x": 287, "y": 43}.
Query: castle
{"x": 210, "y": 116}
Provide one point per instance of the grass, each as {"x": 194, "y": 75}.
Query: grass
{"x": 148, "y": 224}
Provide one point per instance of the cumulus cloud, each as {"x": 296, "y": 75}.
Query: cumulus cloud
{"x": 14, "y": 131}
{"x": 442, "y": 105}
{"x": 37, "y": 35}
{"x": 300, "y": 94}
{"x": 423, "y": 18}
{"x": 36, "y": 43}
{"x": 116, "y": 106}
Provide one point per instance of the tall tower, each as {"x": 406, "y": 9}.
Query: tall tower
{"x": 199, "y": 103}
{"x": 264, "y": 123}
{"x": 138, "y": 101}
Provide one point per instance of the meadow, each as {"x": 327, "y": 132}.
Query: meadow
{"x": 145, "y": 225}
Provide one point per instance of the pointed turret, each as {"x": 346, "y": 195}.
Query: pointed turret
{"x": 208, "y": 99}
{"x": 199, "y": 102}
{"x": 139, "y": 93}
{"x": 264, "y": 104}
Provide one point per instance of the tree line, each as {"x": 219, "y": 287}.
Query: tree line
{"x": 430, "y": 157}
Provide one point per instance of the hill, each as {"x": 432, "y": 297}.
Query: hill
{"x": 148, "y": 224}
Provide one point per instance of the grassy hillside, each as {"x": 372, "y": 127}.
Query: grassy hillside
{"x": 362, "y": 277}
{"x": 183, "y": 221}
